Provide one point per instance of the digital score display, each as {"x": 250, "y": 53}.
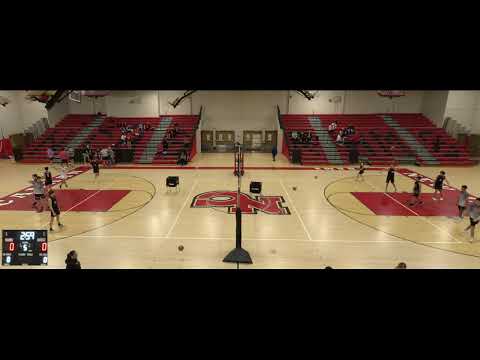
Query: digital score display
{"x": 24, "y": 247}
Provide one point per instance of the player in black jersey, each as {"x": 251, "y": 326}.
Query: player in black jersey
{"x": 95, "y": 167}
{"x": 439, "y": 185}
{"x": 391, "y": 178}
{"x": 416, "y": 192}
{"x": 54, "y": 209}
{"x": 47, "y": 175}
{"x": 361, "y": 170}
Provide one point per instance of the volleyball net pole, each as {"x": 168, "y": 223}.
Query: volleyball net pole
{"x": 238, "y": 254}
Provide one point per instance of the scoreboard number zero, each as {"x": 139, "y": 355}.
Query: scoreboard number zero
{"x": 24, "y": 247}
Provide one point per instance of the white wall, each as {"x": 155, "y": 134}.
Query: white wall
{"x": 434, "y": 105}
{"x": 88, "y": 105}
{"x": 132, "y": 104}
{"x": 58, "y": 112}
{"x": 239, "y": 110}
{"x": 322, "y": 103}
{"x": 476, "y": 120}
{"x": 30, "y": 111}
{"x": 462, "y": 106}
{"x": 364, "y": 102}
{"x": 10, "y": 119}
{"x": 166, "y": 96}
{"x": 354, "y": 102}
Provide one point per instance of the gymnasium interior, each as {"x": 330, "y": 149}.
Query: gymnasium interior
{"x": 240, "y": 179}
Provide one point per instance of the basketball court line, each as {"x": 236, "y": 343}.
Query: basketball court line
{"x": 327, "y": 168}
{"x": 415, "y": 213}
{"x": 74, "y": 206}
{"x": 187, "y": 200}
{"x": 251, "y": 239}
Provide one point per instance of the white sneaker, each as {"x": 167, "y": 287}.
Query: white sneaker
{"x": 434, "y": 198}
{"x": 441, "y": 198}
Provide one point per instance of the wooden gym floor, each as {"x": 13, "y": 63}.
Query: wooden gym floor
{"x": 127, "y": 218}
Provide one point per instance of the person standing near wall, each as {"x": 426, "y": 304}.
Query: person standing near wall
{"x": 274, "y": 152}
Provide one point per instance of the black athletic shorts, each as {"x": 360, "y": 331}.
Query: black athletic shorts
{"x": 461, "y": 208}
{"x": 48, "y": 182}
{"x": 416, "y": 194}
{"x": 473, "y": 223}
{"x": 438, "y": 187}
{"x": 361, "y": 172}
{"x": 390, "y": 179}
{"x": 39, "y": 196}
{"x": 53, "y": 214}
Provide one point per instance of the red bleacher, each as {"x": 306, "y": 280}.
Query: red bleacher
{"x": 108, "y": 133}
{"x": 312, "y": 152}
{"x": 186, "y": 126}
{"x": 377, "y": 139}
{"x": 450, "y": 152}
{"x": 58, "y": 136}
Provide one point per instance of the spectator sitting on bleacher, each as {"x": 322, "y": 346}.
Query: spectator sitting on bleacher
{"x": 294, "y": 136}
{"x": 129, "y": 139}
{"x": 123, "y": 139}
{"x": 309, "y": 137}
{"x": 340, "y": 137}
{"x": 304, "y": 137}
{"x": 332, "y": 127}
{"x": 348, "y": 131}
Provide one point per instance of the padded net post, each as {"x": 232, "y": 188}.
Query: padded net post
{"x": 238, "y": 254}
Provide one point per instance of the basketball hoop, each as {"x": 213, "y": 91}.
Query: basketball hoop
{"x": 95, "y": 93}
{"x": 42, "y": 96}
{"x": 75, "y": 96}
{"x": 391, "y": 93}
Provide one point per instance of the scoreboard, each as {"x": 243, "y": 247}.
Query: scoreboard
{"x": 24, "y": 247}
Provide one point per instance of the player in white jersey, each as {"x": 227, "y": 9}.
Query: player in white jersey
{"x": 474, "y": 212}
{"x": 38, "y": 193}
{"x": 63, "y": 176}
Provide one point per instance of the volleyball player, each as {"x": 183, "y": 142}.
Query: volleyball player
{"x": 54, "y": 208}
{"x": 474, "y": 212}
{"x": 361, "y": 170}
{"x": 391, "y": 178}
{"x": 439, "y": 185}
{"x": 462, "y": 201}
{"x": 63, "y": 176}
{"x": 38, "y": 192}
{"x": 95, "y": 167}
{"x": 416, "y": 192}
{"x": 47, "y": 175}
